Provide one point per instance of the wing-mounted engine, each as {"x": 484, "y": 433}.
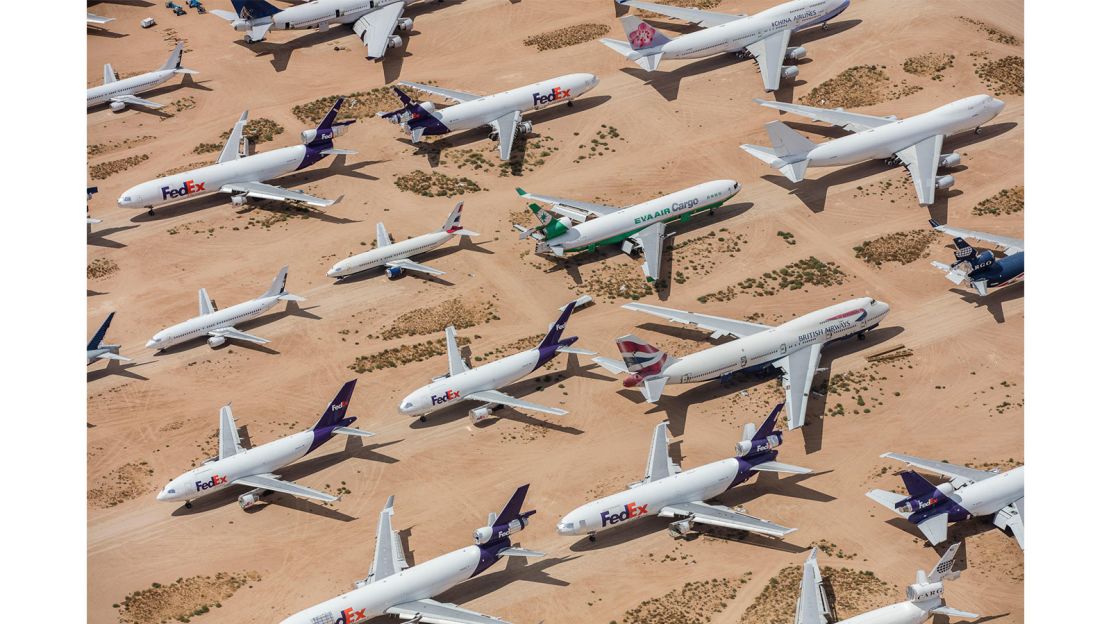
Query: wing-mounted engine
{"x": 795, "y": 53}
{"x": 117, "y": 106}
{"x": 945, "y": 182}
{"x": 216, "y": 341}
{"x": 404, "y": 24}
{"x": 949, "y": 160}
{"x": 789, "y": 72}
{"x": 524, "y": 127}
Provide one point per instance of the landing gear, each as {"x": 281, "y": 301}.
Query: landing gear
{"x": 570, "y": 104}
{"x": 825, "y": 26}
{"x": 592, "y": 537}
{"x": 188, "y": 504}
{"x": 861, "y": 336}
{"x": 150, "y": 211}
{"x": 978, "y": 129}
{"x": 423, "y": 419}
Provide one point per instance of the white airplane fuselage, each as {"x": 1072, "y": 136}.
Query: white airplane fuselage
{"x": 986, "y": 497}
{"x": 199, "y": 326}
{"x": 134, "y": 85}
{"x": 447, "y": 391}
{"x": 421, "y": 581}
{"x": 698, "y": 484}
{"x": 374, "y": 258}
{"x": 614, "y": 227}
{"x": 902, "y": 613}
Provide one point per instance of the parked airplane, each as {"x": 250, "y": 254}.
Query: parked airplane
{"x": 219, "y": 325}
{"x": 914, "y": 142}
{"x": 483, "y": 384}
{"x": 668, "y": 492}
{"x": 793, "y": 347}
{"x": 119, "y": 93}
{"x": 764, "y": 36}
{"x": 241, "y": 176}
{"x": 502, "y": 112}
{"x": 638, "y": 227}
{"x": 925, "y": 597}
{"x": 393, "y": 588}
{"x": 983, "y": 270}
{"x": 970, "y": 493}
{"x": 372, "y": 20}
{"x": 254, "y": 467}
{"x": 397, "y": 257}
{"x": 98, "y": 350}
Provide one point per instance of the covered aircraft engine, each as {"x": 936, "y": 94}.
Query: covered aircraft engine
{"x": 759, "y": 444}
{"x": 116, "y": 106}
{"x": 216, "y": 341}
{"x": 524, "y": 127}
{"x": 327, "y": 134}
{"x": 238, "y": 200}
{"x": 487, "y": 534}
{"x": 250, "y": 499}
{"x": 796, "y": 53}
{"x": 428, "y": 107}
{"x": 949, "y": 160}
{"x": 945, "y": 181}
{"x": 789, "y": 72}
{"x": 478, "y": 414}
{"x": 394, "y": 41}
{"x": 920, "y": 592}
{"x": 394, "y": 272}
{"x": 404, "y": 24}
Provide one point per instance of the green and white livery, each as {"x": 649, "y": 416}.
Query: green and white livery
{"x": 572, "y": 226}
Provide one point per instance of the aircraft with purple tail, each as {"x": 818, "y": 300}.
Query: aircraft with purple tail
{"x": 242, "y": 176}
{"x": 394, "y": 588}
{"x": 982, "y": 269}
{"x": 254, "y": 467}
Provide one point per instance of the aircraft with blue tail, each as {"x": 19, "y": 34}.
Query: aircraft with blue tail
{"x": 97, "y": 349}
{"x": 982, "y": 269}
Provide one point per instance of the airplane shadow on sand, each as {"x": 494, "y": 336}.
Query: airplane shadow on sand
{"x": 354, "y": 449}
{"x": 115, "y": 367}
{"x": 994, "y": 299}
{"x": 99, "y": 238}
{"x": 516, "y": 570}
{"x": 292, "y": 308}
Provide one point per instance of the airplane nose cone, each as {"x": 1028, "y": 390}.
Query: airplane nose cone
{"x": 163, "y": 496}
{"x": 334, "y": 271}
{"x": 997, "y": 105}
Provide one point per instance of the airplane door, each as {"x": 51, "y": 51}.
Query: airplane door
{"x": 743, "y": 361}
{"x": 782, "y": 348}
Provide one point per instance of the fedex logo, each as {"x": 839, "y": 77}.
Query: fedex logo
{"x": 558, "y": 93}
{"x": 349, "y": 615}
{"x": 631, "y": 510}
{"x": 188, "y": 187}
{"x": 211, "y": 483}
{"x": 338, "y": 406}
{"x": 447, "y": 396}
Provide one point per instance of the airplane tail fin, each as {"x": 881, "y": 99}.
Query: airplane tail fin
{"x": 788, "y": 153}
{"x": 174, "y": 62}
{"x": 512, "y": 519}
{"x": 943, "y": 571}
{"x": 254, "y": 9}
{"x": 927, "y": 585}
{"x": 555, "y": 333}
{"x": 640, "y": 357}
{"x": 277, "y": 287}
{"x": 98, "y": 337}
{"x": 641, "y": 35}
{"x": 336, "y": 411}
{"x": 408, "y": 110}
{"x": 917, "y": 485}
{"x": 453, "y": 225}
{"x": 768, "y": 426}
{"x": 512, "y": 510}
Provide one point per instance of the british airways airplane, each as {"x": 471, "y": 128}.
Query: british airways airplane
{"x": 982, "y": 269}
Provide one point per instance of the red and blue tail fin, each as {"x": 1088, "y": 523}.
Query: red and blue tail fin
{"x": 98, "y": 337}
{"x": 556, "y": 332}
{"x": 337, "y": 409}
{"x": 641, "y": 357}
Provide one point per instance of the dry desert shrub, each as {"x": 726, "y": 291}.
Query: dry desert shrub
{"x": 104, "y": 170}
{"x": 357, "y": 105}
{"x": 101, "y": 267}
{"x": 258, "y": 130}
{"x": 1005, "y": 76}
{"x": 861, "y": 85}
{"x": 435, "y": 184}
{"x": 185, "y": 167}
{"x": 120, "y": 485}
{"x": 806, "y": 272}
{"x": 435, "y": 318}
{"x": 565, "y": 37}
{"x": 405, "y": 354}
{"x": 931, "y": 64}
{"x": 183, "y": 599}
{"x": 1006, "y": 201}
{"x": 855, "y": 591}
{"x": 694, "y": 603}
{"x": 100, "y": 149}
{"x": 993, "y": 32}
{"x": 902, "y": 247}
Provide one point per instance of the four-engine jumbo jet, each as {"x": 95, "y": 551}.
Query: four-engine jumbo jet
{"x": 254, "y": 467}
{"x": 219, "y": 325}
{"x": 97, "y": 349}
{"x": 638, "y": 227}
{"x": 121, "y": 93}
{"x": 793, "y": 347}
{"x": 914, "y": 142}
{"x": 925, "y": 597}
{"x": 502, "y": 112}
{"x": 372, "y": 20}
{"x": 983, "y": 270}
{"x": 394, "y": 588}
{"x": 669, "y": 492}
{"x": 764, "y": 36}
{"x": 483, "y": 384}
{"x": 397, "y": 257}
{"x": 970, "y": 493}
{"x": 242, "y": 176}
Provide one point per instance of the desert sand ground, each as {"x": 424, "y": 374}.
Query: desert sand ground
{"x": 958, "y": 397}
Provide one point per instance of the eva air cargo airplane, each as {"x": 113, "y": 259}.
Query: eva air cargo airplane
{"x": 569, "y": 228}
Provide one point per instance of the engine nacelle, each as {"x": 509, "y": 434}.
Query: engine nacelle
{"x": 796, "y": 53}
{"x": 238, "y": 200}
{"x": 324, "y": 134}
{"x": 241, "y": 25}
{"x": 487, "y": 534}
{"x": 681, "y": 528}
{"x": 949, "y": 160}
{"x": 478, "y": 414}
{"x": 789, "y": 72}
{"x": 920, "y": 592}
{"x": 404, "y": 24}
{"x": 428, "y": 107}
{"x": 250, "y": 499}
{"x": 945, "y": 182}
{"x": 216, "y": 341}
{"x": 394, "y": 41}
{"x": 494, "y": 135}
{"x": 524, "y": 127}
{"x": 117, "y": 106}
{"x": 758, "y": 445}
{"x": 394, "y": 272}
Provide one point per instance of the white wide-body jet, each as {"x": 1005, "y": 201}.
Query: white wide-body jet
{"x": 915, "y": 142}
{"x": 969, "y": 493}
{"x": 483, "y": 384}
{"x": 394, "y": 588}
{"x": 118, "y": 94}
{"x": 668, "y": 491}
{"x": 793, "y": 347}
{"x": 764, "y": 36}
{"x": 254, "y": 467}
{"x": 97, "y": 349}
{"x": 983, "y": 270}
{"x": 569, "y": 228}
{"x": 242, "y": 176}
{"x": 925, "y": 597}
{"x": 374, "y": 21}
{"x": 397, "y": 257}
{"x": 502, "y": 112}
{"x": 219, "y": 325}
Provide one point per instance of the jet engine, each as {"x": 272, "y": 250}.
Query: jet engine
{"x": 945, "y": 181}
{"x": 478, "y": 414}
{"x": 494, "y": 135}
{"x": 524, "y": 127}
{"x": 394, "y": 272}
{"x": 117, "y": 106}
{"x": 428, "y": 107}
{"x": 949, "y": 160}
{"x": 241, "y": 25}
{"x": 216, "y": 341}
{"x": 796, "y": 53}
{"x": 394, "y": 41}
{"x": 250, "y": 499}
{"x": 239, "y": 200}
{"x": 761, "y": 444}
{"x": 487, "y": 534}
{"x": 404, "y": 24}
{"x": 789, "y": 72}
{"x": 308, "y": 136}
{"x": 920, "y": 592}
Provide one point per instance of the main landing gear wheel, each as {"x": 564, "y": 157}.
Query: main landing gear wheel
{"x": 825, "y": 26}
{"x": 593, "y": 538}
{"x": 861, "y": 336}
{"x": 150, "y": 211}
{"x": 570, "y": 104}
{"x": 978, "y": 130}
{"x": 423, "y": 419}
{"x": 188, "y": 504}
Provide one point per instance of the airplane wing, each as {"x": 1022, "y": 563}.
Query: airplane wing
{"x": 723, "y": 517}
{"x": 506, "y": 126}
{"x": 595, "y": 209}
{"x": 231, "y": 332}
{"x": 272, "y": 482}
{"x": 260, "y": 190}
{"x": 108, "y": 355}
{"x": 797, "y": 379}
{"x": 650, "y": 239}
{"x": 229, "y": 433}
{"x": 853, "y": 122}
{"x": 921, "y": 159}
{"x": 1012, "y": 245}
{"x": 96, "y": 19}
{"x": 718, "y": 325}
{"x": 769, "y": 54}
{"x": 383, "y": 236}
{"x": 458, "y": 96}
{"x": 813, "y": 606}
{"x": 500, "y": 398}
{"x": 205, "y": 302}
{"x": 705, "y": 19}
{"x": 389, "y": 557}
{"x": 409, "y": 265}
{"x": 234, "y": 139}
{"x": 455, "y": 363}
{"x": 659, "y": 464}
{"x": 428, "y": 610}
{"x": 960, "y": 475}
{"x": 136, "y": 101}
{"x": 374, "y": 28}
{"x": 1013, "y": 517}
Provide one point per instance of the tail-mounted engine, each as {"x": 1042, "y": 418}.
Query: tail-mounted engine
{"x": 746, "y": 447}
{"x": 322, "y": 134}
{"x": 921, "y": 592}
{"x": 488, "y": 534}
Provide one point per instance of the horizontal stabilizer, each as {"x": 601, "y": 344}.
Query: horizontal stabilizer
{"x": 774, "y": 466}
{"x": 519, "y": 552}
{"x": 351, "y": 431}
{"x": 335, "y": 151}
{"x": 576, "y": 351}
{"x": 889, "y": 500}
{"x": 650, "y": 62}
{"x": 935, "y": 528}
{"x": 290, "y": 297}
{"x": 950, "y": 612}
{"x": 113, "y": 356}
{"x": 613, "y": 366}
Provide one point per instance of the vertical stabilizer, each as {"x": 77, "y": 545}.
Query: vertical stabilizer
{"x": 277, "y": 287}
{"x": 555, "y": 333}
{"x": 336, "y": 411}
{"x": 98, "y": 337}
